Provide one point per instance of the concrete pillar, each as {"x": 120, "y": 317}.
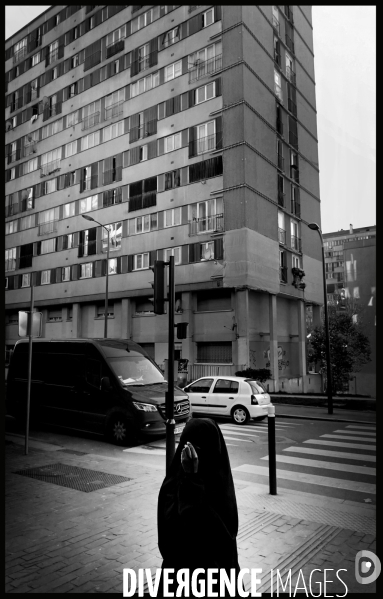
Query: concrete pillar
{"x": 273, "y": 326}
{"x": 242, "y": 328}
{"x": 126, "y": 318}
{"x": 316, "y": 316}
{"x": 302, "y": 342}
{"x": 76, "y": 321}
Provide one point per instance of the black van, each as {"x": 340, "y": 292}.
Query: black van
{"x": 106, "y": 386}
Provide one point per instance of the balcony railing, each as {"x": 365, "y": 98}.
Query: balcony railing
{"x": 283, "y": 274}
{"x": 293, "y": 139}
{"x": 16, "y": 155}
{"x": 50, "y": 167}
{"x": 282, "y": 235}
{"x": 114, "y": 110}
{"x": 296, "y": 243}
{"x": 48, "y": 227}
{"x": 25, "y": 261}
{"x": 280, "y": 162}
{"x": 114, "y": 174}
{"x": 278, "y": 91}
{"x": 202, "y": 145}
{"x": 276, "y": 25}
{"x": 114, "y": 48}
{"x": 296, "y": 208}
{"x": 203, "y": 68}
{"x": 205, "y": 224}
{"x": 290, "y": 75}
{"x": 292, "y": 106}
{"x": 10, "y": 264}
{"x": 289, "y": 43}
{"x": 19, "y": 55}
{"x": 281, "y": 199}
{"x": 90, "y": 121}
{"x": 279, "y": 127}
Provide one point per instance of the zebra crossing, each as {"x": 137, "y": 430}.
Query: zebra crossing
{"x": 332, "y": 467}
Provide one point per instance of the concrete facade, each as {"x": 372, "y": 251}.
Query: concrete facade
{"x": 224, "y": 220}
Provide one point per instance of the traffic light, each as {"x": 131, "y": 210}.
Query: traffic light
{"x": 181, "y": 329}
{"x": 159, "y": 286}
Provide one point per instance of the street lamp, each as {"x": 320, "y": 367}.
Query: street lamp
{"x": 107, "y": 273}
{"x": 315, "y": 227}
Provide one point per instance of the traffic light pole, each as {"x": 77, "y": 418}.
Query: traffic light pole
{"x": 170, "y": 422}
{"x": 29, "y": 331}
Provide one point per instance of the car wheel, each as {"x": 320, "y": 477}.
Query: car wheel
{"x": 259, "y": 418}
{"x": 240, "y": 415}
{"x": 120, "y": 430}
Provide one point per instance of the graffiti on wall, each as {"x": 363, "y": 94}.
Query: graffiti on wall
{"x": 253, "y": 359}
{"x": 283, "y": 363}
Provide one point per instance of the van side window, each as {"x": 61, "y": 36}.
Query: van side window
{"x": 93, "y": 372}
{"x": 226, "y": 386}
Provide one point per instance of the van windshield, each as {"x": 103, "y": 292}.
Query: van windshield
{"x": 136, "y": 369}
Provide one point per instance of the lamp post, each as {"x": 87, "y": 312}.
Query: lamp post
{"x": 107, "y": 274}
{"x": 315, "y": 227}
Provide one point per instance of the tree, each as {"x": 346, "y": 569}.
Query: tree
{"x": 349, "y": 346}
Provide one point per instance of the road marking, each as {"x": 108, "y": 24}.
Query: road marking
{"x": 349, "y": 438}
{"x": 235, "y": 439}
{"x": 312, "y": 479}
{"x": 231, "y": 445}
{"x": 145, "y": 450}
{"x": 234, "y": 431}
{"x": 363, "y": 428}
{"x": 338, "y": 444}
{"x": 355, "y": 432}
{"x": 332, "y": 454}
{"x": 227, "y": 427}
{"x": 322, "y": 464}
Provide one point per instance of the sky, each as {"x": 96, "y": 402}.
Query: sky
{"x": 345, "y": 75}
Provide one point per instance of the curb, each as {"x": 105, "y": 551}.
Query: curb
{"x": 324, "y": 419}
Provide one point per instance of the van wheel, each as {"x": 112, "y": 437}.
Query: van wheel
{"x": 120, "y": 430}
{"x": 240, "y": 415}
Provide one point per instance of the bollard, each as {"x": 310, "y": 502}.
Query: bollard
{"x": 272, "y": 450}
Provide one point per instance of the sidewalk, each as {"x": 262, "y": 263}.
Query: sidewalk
{"x": 321, "y": 413}
{"x": 61, "y": 539}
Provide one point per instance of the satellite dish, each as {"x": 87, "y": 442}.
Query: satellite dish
{"x": 45, "y": 100}
{"x": 24, "y": 194}
{"x": 29, "y": 137}
{"x": 8, "y": 125}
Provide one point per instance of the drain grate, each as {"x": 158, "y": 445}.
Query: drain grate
{"x": 73, "y": 452}
{"x": 74, "y": 477}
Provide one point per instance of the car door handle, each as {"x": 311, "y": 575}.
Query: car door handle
{"x": 203, "y": 397}
{"x": 231, "y": 397}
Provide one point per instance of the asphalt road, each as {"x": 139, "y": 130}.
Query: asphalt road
{"x": 330, "y": 459}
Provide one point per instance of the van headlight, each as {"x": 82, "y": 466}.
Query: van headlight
{"x": 145, "y": 407}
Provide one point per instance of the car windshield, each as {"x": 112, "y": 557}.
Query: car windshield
{"x": 136, "y": 369}
{"x": 257, "y": 387}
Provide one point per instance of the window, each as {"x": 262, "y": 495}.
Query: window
{"x": 55, "y": 315}
{"x": 53, "y": 51}
{"x": 214, "y": 352}
{"x": 65, "y": 273}
{"x": 68, "y": 241}
{"x": 47, "y": 216}
{"x": 10, "y": 259}
{"x": 206, "y": 215}
{"x": 173, "y": 70}
{"x": 226, "y": 386}
{"x": 45, "y": 277}
{"x": 54, "y": 73}
{"x": 116, "y": 35}
{"x": 282, "y": 266}
{"x": 173, "y": 179}
{"x": 86, "y": 270}
{"x": 112, "y": 266}
{"x": 100, "y": 310}
{"x": 171, "y": 37}
{"x": 176, "y": 252}
{"x": 53, "y": 128}
{"x": 30, "y": 166}
{"x": 114, "y": 104}
{"x": 50, "y": 157}
{"x": 278, "y": 85}
{"x": 172, "y": 217}
{"x": 207, "y": 251}
{"x": 12, "y": 173}
{"x": 69, "y": 209}
{"x": 115, "y": 235}
{"x": 141, "y": 261}
{"x": 89, "y": 141}
{"x": 27, "y": 222}
{"x": 88, "y": 204}
{"x": 206, "y": 137}
{"x": 113, "y": 131}
{"x": 75, "y": 61}
{"x": 48, "y": 246}
{"x": 143, "y": 153}
{"x": 35, "y": 59}
{"x": 295, "y": 241}
{"x": 144, "y": 84}
{"x": 26, "y": 280}
{"x": 143, "y": 58}
{"x": 208, "y": 17}
{"x": 143, "y": 224}
{"x": 11, "y": 227}
{"x": 72, "y": 119}
{"x": 70, "y": 149}
{"x": 206, "y": 92}
{"x": 173, "y": 142}
{"x": 281, "y": 227}
{"x": 205, "y": 61}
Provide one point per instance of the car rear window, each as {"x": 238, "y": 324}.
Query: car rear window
{"x": 256, "y": 387}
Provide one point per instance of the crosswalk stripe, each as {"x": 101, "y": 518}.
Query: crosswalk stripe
{"x": 250, "y": 429}
{"x": 312, "y": 479}
{"x": 338, "y": 444}
{"x": 322, "y": 464}
{"x": 235, "y": 431}
{"x": 349, "y": 438}
{"x": 235, "y": 439}
{"x": 356, "y": 433}
{"x": 363, "y": 428}
{"x": 332, "y": 454}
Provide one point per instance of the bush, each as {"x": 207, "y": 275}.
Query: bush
{"x": 259, "y": 374}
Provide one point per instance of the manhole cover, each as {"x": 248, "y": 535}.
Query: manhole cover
{"x": 74, "y": 477}
{"x": 73, "y": 451}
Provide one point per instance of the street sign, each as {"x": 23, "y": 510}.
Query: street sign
{"x": 37, "y": 318}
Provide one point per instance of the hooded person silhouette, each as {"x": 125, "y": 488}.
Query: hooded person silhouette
{"x": 197, "y": 510}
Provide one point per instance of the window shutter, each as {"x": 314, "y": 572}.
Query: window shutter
{"x": 195, "y": 24}
{"x": 161, "y": 182}
{"x": 161, "y": 146}
{"x": 191, "y": 253}
{"x": 218, "y": 133}
{"x": 94, "y": 175}
{"x": 134, "y": 66}
{"x": 184, "y": 215}
{"x": 169, "y": 107}
{"x": 152, "y": 149}
{"x": 60, "y": 243}
{"x": 81, "y": 244}
{"x": 153, "y": 49}
{"x": 160, "y": 219}
{"x": 125, "y": 193}
{"x": 38, "y": 278}
{"x": 126, "y": 159}
{"x": 53, "y": 275}
{"x": 218, "y": 248}
{"x": 118, "y": 175}
{"x": 58, "y": 278}
{"x": 217, "y": 13}
{"x": 177, "y": 104}
{"x": 130, "y": 263}
{"x": 192, "y": 140}
{"x": 74, "y": 272}
{"x": 161, "y": 110}
{"x": 97, "y": 268}
{"x": 152, "y": 257}
{"x": 134, "y": 129}
{"x": 191, "y": 97}
{"x": 185, "y": 175}
{"x": 218, "y": 90}
{"x": 135, "y": 155}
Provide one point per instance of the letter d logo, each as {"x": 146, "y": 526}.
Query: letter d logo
{"x": 366, "y": 562}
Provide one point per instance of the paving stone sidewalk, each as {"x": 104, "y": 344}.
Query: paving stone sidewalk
{"x": 60, "y": 539}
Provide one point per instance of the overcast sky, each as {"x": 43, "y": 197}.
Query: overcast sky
{"x": 345, "y": 62}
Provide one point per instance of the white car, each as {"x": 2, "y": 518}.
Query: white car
{"x": 236, "y": 396}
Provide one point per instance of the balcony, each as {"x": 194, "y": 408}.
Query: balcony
{"x": 296, "y": 208}
{"x": 50, "y": 167}
{"x": 202, "y": 145}
{"x": 90, "y": 121}
{"x": 293, "y": 139}
{"x": 48, "y": 227}
{"x": 204, "y": 68}
{"x": 114, "y": 110}
{"x": 296, "y": 243}
{"x": 19, "y": 55}
{"x": 289, "y": 43}
{"x": 10, "y": 264}
{"x": 214, "y": 223}
{"x": 25, "y": 261}
{"x": 281, "y": 199}
{"x": 292, "y": 106}
{"x": 114, "y": 48}
{"x": 278, "y": 92}
{"x": 279, "y": 127}
{"x": 282, "y": 236}
{"x": 290, "y": 75}
{"x": 14, "y": 156}
{"x": 280, "y": 162}
{"x": 276, "y": 26}
{"x": 283, "y": 274}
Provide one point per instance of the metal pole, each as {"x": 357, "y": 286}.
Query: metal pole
{"x": 272, "y": 451}
{"x": 328, "y": 360}
{"x": 29, "y": 370}
{"x": 170, "y": 422}
{"x": 106, "y": 288}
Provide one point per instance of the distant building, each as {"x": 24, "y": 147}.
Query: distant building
{"x": 350, "y": 258}
{"x": 187, "y": 131}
